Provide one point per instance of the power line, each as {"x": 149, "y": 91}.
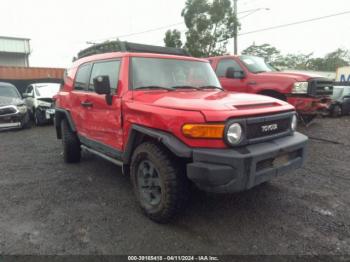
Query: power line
{"x": 295, "y": 23}
{"x": 154, "y": 29}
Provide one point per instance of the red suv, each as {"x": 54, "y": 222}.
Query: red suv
{"x": 166, "y": 120}
{"x": 309, "y": 94}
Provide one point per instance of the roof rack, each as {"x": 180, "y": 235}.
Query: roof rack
{"x": 121, "y": 46}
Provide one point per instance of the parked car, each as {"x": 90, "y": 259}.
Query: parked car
{"x": 341, "y": 101}
{"x": 13, "y": 111}
{"x": 39, "y": 100}
{"x": 309, "y": 94}
{"x": 167, "y": 121}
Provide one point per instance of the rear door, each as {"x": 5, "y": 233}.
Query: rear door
{"x": 230, "y": 84}
{"x": 103, "y": 122}
{"x": 78, "y": 97}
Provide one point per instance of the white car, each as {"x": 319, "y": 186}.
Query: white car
{"x": 39, "y": 100}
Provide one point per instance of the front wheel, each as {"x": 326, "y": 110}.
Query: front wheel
{"x": 336, "y": 111}
{"x": 160, "y": 184}
{"x": 38, "y": 118}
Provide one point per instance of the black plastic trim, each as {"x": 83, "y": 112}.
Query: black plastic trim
{"x": 100, "y": 147}
{"x": 67, "y": 115}
{"x": 168, "y": 140}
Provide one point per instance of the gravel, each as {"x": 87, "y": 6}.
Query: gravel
{"x": 48, "y": 207}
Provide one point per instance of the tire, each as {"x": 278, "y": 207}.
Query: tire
{"x": 38, "y": 119}
{"x": 71, "y": 144}
{"x": 164, "y": 182}
{"x": 26, "y": 124}
{"x": 336, "y": 111}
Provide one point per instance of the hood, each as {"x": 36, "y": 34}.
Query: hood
{"x": 7, "y": 101}
{"x": 300, "y": 77}
{"x": 205, "y": 100}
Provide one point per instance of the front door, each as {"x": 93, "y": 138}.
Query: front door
{"x": 103, "y": 122}
{"x": 231, "y": 84}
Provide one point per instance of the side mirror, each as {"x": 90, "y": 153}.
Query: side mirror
{"x": 26, "y": 95}
{"x": 232, "y": 73}
{"x": 102, "y": 85}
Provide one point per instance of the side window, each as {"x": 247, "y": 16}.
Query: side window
{"x": 30, "y": 90}
{"x": 224, "y": 65}
{"x": 82, "y": 77}
{"x": 109, "y": 68}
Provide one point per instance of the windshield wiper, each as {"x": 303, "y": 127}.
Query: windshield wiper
{"x": 186, "y": 87}
{"x": 211, "y": 87}
{"x": 258, "y": 72}
{"x": 154, "y": 87}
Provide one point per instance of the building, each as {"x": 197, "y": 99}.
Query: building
{"x": 14, "y": 51}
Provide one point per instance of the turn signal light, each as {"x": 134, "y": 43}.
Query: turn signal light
{"x": 203, "y": 131}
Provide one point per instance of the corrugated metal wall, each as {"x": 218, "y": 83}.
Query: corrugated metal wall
{"x": 29, "y": 73}
{"x": 14, "y": 45}
{"x": 11, "y": 59}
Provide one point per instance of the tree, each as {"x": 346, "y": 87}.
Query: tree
{"x": 173, "y": 38}
{"x": 269, "y": 53}
{"x": 210, "y": 25}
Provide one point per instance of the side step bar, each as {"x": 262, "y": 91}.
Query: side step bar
{"x": 108, "y": 158}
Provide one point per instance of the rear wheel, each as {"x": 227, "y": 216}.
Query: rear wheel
{"x": 71, "y": 144}
{"x": 159, "y": 183}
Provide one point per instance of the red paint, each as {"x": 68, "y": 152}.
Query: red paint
{"x": 157, "y": 109}
{"x": 280, "y": 82}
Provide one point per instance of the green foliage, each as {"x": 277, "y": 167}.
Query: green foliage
{"x": 173, "y": 38}
{"x": 331, "y": 61}
{"x": 268, "y": 52}
{"x": 210, "y": 24}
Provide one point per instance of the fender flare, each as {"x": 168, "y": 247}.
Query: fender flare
{"x": 177, "y": 147}
{"x": 60, "y": 114}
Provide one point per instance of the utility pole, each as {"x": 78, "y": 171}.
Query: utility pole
{"x": 235, "y": 28}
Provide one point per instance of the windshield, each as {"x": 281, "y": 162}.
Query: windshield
{"x": 172, "y": 74}
{"x": 47, "y": 90}
{"x": 256, "y": 64}
{"x": 9, "y": 91}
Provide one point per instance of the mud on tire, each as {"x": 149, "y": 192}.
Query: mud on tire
{"x": 71, "y": 144}
{"x": 159, "y": 181}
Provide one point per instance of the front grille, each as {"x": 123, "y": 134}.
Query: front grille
{"x": 268, "y": 128}
{"x": 320, "y": 87}
{"x": 264, "y": 128}
{"x": 7, "y": 110}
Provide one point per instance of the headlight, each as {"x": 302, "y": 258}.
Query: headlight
{"x": 300, "y": 88}
{"x": 234, "y": 134}
{"x": 22, "y": 109}
{"x": 44, "y": 104}
{"x": 294, "y": 123}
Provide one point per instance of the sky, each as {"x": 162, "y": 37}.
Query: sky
{"x": 59, "y": 29}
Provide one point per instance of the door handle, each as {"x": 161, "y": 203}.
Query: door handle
{"x": 251, "y": 83}
{"x": 87, "y": 104}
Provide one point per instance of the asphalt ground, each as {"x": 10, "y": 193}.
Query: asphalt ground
{"x": 48, "y": 207}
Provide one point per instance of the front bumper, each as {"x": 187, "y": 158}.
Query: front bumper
{"x": 234, "y": 170}
{"x": 13, "y": 121}
{"x": 46, "y": 114}
{"x": 310, "y": 105}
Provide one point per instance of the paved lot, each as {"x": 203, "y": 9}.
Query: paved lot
{"x": 48, "y": 207}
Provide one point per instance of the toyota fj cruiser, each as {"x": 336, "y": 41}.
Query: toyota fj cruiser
{"x": 165, "y": 119}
